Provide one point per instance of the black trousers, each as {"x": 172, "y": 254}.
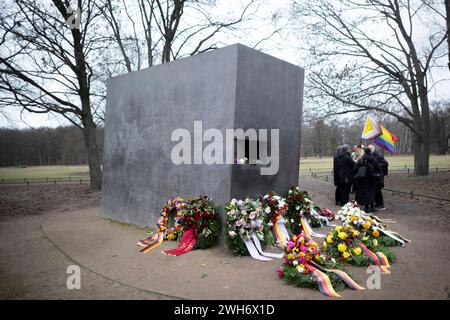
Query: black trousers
{"x": 337, "y": 195}
{"x": 379, "y": 201}
{"x": 344, "y": 192}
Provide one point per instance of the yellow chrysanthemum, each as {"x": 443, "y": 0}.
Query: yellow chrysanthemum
{"x": 342, "y": 247}
{"x": 330, "y": 239}
{"x": 342, "y": 235}
{"x": 324, "y": 244}
{"x": 375, "y": 242}
{"x": 355, "y": 233}
{"x": 357, "y": 251}
{"x": 375, "y": 233}
{"x": 346, "y": 255}
{"x": 338, "y": 228}
{"x": 366, "y": 225}
{"x": 290, "y": 256}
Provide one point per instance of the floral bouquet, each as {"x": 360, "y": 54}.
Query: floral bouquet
{"x": 243, "y": 219}
{"x": 201, "y": 215}
{"x": 275, "y": 209}
{"x": 305, "y": 265}
{"x": 371, "y": 226}
{"x": 348, "y": 245}
{"x": 173, "y": 208}
{"x": 300, "y": 205}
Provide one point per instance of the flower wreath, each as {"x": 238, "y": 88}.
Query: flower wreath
{"x": 305, "y": 265}
{"x": 244, "y": 218}
{"x": 201, "y": 215}
{"x": 275, "y": 208}
{"x": 172, "y": 207}
{"x": 372, "y": 226}
{"x": 300, "y": 204}
{"x": 348, "y": 245}
{"x": 175, "y": 207}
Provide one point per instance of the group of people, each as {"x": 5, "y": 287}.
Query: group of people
{"x": 362, "y": 171}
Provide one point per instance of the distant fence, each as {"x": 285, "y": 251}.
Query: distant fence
{"x": 28, "y": 181}
{"x": 327, "y": 176}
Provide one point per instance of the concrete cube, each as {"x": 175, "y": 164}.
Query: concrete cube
{"x": 229, "y": 88}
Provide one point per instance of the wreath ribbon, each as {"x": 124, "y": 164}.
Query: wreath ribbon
{"x": 323, "y": 281}
{"x": 159, "y": 237}
{"x": 378, "y": 259}
{"x": 186, "y": 244}
{"x": 308, "y": 230}
{"x": 281, "y": 234}
{"x": 341, "y": 274}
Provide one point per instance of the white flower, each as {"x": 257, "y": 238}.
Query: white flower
{"x": 281, "y": 203}
{"x": 290, "y": 191}
{"x": 242, "y": 231}
{"x": 297, "y": 208}
{"x": 243, "y": 212}
{"x": 295, "y": 262}
{"x": 232, "y": 234}
{"x": 233, "y": 201}
{"x": 270, "y": 224}
{"x": 240, "y": 203}
{"x": 267, "y": 210}
{"x": 333, "y": 260}
{"x": 292, "y": 220}
{"x": 300, "y": 270}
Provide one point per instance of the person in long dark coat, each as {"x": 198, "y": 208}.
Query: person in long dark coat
{"x": 379, "y": 200}
{"x": 365, "y": 190}
{"x": 337, "y": 195}
{"x": 345, "y": 168}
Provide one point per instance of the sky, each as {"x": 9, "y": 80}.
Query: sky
{"x": 286, "y": 45}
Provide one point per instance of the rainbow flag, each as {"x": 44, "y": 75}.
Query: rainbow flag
{"x": 386, "y": 139}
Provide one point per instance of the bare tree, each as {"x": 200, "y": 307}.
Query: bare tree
{"x": 369, "y": 56}
{"x": 447, "y": 11}
{"x": 166, "y": 30}
{"x": 47, "y": 63}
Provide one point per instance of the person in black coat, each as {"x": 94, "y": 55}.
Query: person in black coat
{"x": 379, "y": 200}
{"x": 366, "y": 171}
{"x": 345, "y": 166}
{"x": 337, "y": 195}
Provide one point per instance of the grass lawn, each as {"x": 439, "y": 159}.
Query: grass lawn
{"x": 317, "y": 165}
{"x": 395, "y": 162}
{"x": 42, "y": 172}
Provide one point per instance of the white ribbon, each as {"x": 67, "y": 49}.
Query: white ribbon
{"x": 282, "y": 225}
{"x": 266, "y": 254}
{"x": 254, "y": 252}
{"x": 391, "y": 235}
{"x": 306, "y": 225}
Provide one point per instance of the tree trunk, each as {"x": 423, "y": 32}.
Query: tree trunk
{"x": 90, "y": 141}
{"x": 421, "y": 156}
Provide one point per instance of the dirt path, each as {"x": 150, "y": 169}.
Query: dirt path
{"x": 32, "y": 267}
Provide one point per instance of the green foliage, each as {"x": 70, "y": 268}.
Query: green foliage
{"x": 387, "y": 252}
{"x": 386, "y": 241}
{"x": 294, "y": 278}
{"x": 205, "y": 240}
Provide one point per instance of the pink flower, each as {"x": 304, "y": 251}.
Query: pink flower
{"x": 291, "y": 244}
{"x": 280, "y": 272}
{"x": 303, "y": 260}
{"x": 252, "y": 215}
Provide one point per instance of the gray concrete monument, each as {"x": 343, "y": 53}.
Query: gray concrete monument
{"x": 229, "y": 88}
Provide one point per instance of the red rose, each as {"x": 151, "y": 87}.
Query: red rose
{"x": 205, "y": 224}
{"x": 292, "y": 198}
{"x": 196, "y": 216}
{"x": 299, "y": 198}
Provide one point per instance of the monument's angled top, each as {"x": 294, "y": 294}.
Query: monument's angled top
{"x": 234, "y": 47}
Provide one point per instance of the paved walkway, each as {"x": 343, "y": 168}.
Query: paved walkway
{"x": 35, "y": 252}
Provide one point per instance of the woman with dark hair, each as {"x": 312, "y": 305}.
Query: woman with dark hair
{"x": 366, "y": 172}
